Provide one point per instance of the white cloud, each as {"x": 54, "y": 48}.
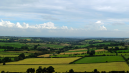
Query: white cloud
{"x": 48, "y": 25}
{"x": 64, "y": 27}
{"x": 103, "y": 28}
{"x": 18, "y": 25}
{"x": 6, "y": 23}
{"x": 98, "y": 22}
{"x": 100, "y": 25}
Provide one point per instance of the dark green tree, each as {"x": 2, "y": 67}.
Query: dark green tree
{"x": 116, "y": 48}
{"x": 50, "y": 69}
{"x": 44, "y": 70}
{"x": 92, "y": 52}
{"x": 22, "y": 55}
{"x": 6, "y": 59}
{"x": 39, "y": 70}
{"x": 71, "y": 71}
{"x": 0, "y": 61}
{"x": 30, "y": 70}
{"x": 95, "y": 70}
{"x": 3, "y": 63}
{"x": 88, "y": 52}
{"x": 2, "y": 71}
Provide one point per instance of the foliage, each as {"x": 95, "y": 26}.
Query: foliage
{"x": 71, "y": 71}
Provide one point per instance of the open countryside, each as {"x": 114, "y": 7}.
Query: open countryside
{"x": 80, "y": 56}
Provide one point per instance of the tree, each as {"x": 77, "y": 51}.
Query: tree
{"x": 22, "y": 55}
{"x": 88, "y": 51}
{"x": 39, "y": 70}
{"x": 71, "y": 71}
{"x": 6, "y": 59}
{"x": 32, "y": 70}
{"x": 0, "y": 61}
{"x": 95, "y": 70}
{"x": 50, "y": 69}
{"x": 44, "y": 70}
{"x": 116, "y": 48}
{"x": 3, "y": 63}
{"x": 2, "y": 71}
{"x": 92, "y": 52}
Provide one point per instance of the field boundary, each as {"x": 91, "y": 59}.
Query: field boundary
{"x": 125, "y": 59}
{"x": 75, "y": 60}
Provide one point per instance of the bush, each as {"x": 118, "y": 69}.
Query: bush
{"x": 2, "y": 71}
{"x": 71, "y": 71}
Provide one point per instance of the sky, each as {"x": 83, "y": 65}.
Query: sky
{"x": 64, "y": 18}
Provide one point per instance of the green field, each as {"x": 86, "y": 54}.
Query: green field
{"x": 76, "y": 51}
{"x": 12, "y": 44}
{"x": 100, "y": 59}
{"x": 1, "y": 49}
{"x": 123, "y": 50}
{"x": 51, "y": 45}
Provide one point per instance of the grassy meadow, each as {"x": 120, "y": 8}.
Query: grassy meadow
{"x": 117, "y": 66}
{"x": 100, "y": 59}
{"x": 45, "y": 61}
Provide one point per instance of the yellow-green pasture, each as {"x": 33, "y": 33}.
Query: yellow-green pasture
{"x": 116, "y": 66}
{"x": 1, "y": 55}
{"x": 45, "y": 61}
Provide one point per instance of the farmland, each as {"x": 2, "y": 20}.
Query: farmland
{"x": 63, "y": 54}
{"x": 117, "y": 66}
{"x": 45, "y": 61}
{"x": 100, "y": 59}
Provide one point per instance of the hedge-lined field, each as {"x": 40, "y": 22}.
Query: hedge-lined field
{"x": 99, "y": 59}
{"x": 117, "y": 66}
{"x": 45, "y": 61}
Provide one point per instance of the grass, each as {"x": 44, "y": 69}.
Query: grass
{"x": 13, "y": 44}
{"x": 76, "y": 51}
{"x": 10, "y": 55}
{"x": 123, "y": 50}
{"x": 100, "y": 59}
{"x": 117, "y": 66}
{"x": 51, "y": 45}
{"x": 1, "y": 49}
{"x": 45, "y": 61}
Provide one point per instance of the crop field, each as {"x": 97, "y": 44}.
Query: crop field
{"x": 45, "y": 55}
{"x": 73, "y": 52}
{"x": 14, "y": 44}
{"x": 24, "y": 51}
{"x": 77, "y": 51}
{"x": 83, "y": 45}
{"x": 98, "y": 50}
{"x": 123, "y": 53}
{"x": 102, "y": 43}
{"x": 10, "y": 55}
{"x": 45, "y": 61}
{"x": 70, "y": 55}
{"x": 122, "y": 50}
{"x": 117, "y": 66}
{"x": 126, "y": 57}
{"x": 106, "y": 53}
{"x": 100, "y": 59}
{"x": 51, "y": 45}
